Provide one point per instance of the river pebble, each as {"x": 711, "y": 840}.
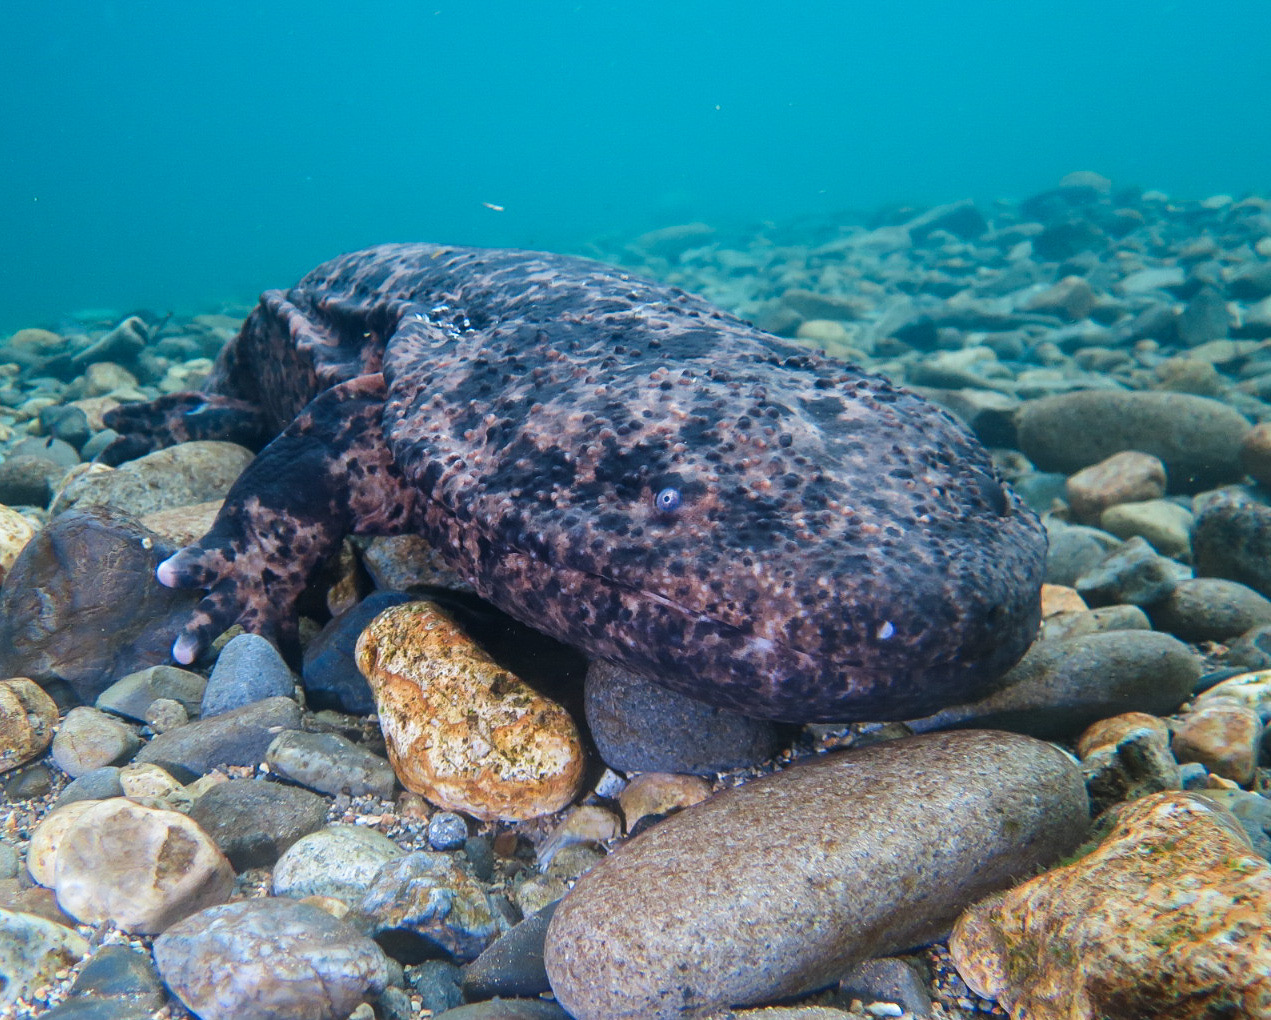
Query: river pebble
{"x": 269, "y": 959}
{"x": 761, "y": 871}
{"x": 461, "y": 730}
{"x": 248, "y": 669}
{"x": 253, "y": 822}
{"x": 339, "y": 861}
{"x": 138, "y": 867}
{"x": 330, "y": 763}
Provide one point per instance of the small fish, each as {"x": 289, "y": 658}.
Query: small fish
{"x": 491, "y": 205}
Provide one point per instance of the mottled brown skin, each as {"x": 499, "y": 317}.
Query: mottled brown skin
{"x": 841, "y": 548}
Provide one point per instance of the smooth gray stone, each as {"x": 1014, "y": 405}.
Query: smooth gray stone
{"x": 640, "y": 726}
{"x": 1061, "y": 687}
{"x": 1210, "y": 609}
{"x": 1198, "y": 439}
{"x": 248, "y": 669}
{"x": 777, "y": 887}
{"x": 131, "y": 695}
{"x": 512, "y": 964}
{"x": 239, "y": 737}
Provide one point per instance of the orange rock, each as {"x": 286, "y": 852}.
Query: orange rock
{"x": 461, "y": 730}
{"x": 1126, "y": 477}
{"x": 1113, "y": 729}
{"x": 1165, "y": 918}
{"x": 1223, "y": 736}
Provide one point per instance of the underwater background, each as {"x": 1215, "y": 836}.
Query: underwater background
{"x": 171, "y": 155}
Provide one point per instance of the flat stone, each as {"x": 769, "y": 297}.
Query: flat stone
{"x": 180, "y": 475}
{"x": 339, "y": 861}
{"x": 1061, "y": 687}
{"x": 269, "y": 959}
{"x": 34, "y": 951}
{"x": 461, "y": 730}
{"x": 1167, "y": 917}
{"x": 805, "y": 872}
{"x": 1197, "y": 439}
{"x": 239, "y": 737}
{"x": 330, "y": 763}
{"x": 1165, "y": 525}
{"x": 1094, "y": 621}
{"x": 133, "y": 694}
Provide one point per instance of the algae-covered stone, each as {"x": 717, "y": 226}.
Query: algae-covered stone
{"x": 461, "y": 730}
{"x": 1165, "y": 918}
{"x": 775, "y": 887}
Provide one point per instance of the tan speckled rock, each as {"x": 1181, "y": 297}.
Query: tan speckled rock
{"x": 139, "y": 867}
{"x": 660, "y": 793}
{"x": 778, "y": 886}
{"x": 27, "y": 718}
{"x": 15, "y": 532}
{"x": 1223, "y": 736}
{"x": 1165, "y": 918}
{"x": 461, "y": 730}
{"x": 1125, "y": 477}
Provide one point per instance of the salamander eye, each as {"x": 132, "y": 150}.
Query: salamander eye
{"x": 667, "y": 501}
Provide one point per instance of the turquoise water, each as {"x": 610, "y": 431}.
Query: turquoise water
{"x": 175, "y": 155}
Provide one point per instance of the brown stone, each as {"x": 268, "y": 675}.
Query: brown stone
{"x": 1223, "y": 736}
{"x": 1165, "y": 918}
{"x": 1127, "y": 477}
{"x": 778, "y": 886}
{"x": 1255, "y": 453}
{"x": 27, "y": 719}
{"x": 464, "y": 732}
{"x": 661, "y": 793}
{"x": 88, "y": 573}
